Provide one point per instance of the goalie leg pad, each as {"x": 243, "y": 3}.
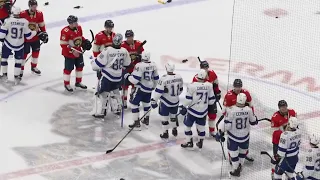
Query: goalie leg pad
{"x": 115, "y": 101}
{"x": 100, "y": 104}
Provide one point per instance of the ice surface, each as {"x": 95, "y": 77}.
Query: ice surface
{"x": 46, "y": 133}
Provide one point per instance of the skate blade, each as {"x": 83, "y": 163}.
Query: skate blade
{"x": 35, "y": 73}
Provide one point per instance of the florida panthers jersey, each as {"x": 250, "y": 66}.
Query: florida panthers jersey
{"x": 145, "y": 76}
{"x": 13, "y": 31}
{"x": 202, "y": 94}
{"x": 111, "y": 61}
{"x": 169, "y": 89}
{"x": 237, "y": 123}
{"x": 311, "y": 168}
{"x": 289, "y": 143}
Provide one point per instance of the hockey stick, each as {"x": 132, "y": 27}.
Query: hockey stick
{"x": 264, "y": 119}
{"x": 274, "y": 162}
{"x": 92, "y": 36}
{"x": 110, "y": 150}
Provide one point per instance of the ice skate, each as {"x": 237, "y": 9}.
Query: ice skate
{"x": 236, "y": 172}
{"x": 188, "y": 145}
{"x": 145, "y": 121}
{"x": 165, "y": 135}
{"x": 175, "y": 132}
{"x": 136, "y": 125}
{"x": 4, "y": 77}
{"x": 17, "y": 80}
{"x": 68, "y": 88}
{"x": 81, "y": 86}
{"x": 35, "y": 71}
{"x": 199, "y": 144}
{"x": 249, "y": 158}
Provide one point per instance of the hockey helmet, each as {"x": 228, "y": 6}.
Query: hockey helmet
{"x": 117, "y": 39}
{"x": 315, "y": 140}
{"x": 282, "y": 103}
{"x": 129, "y": 33}
{"x": 32, "y": 3}
{"x": 293, "y": 122}
{"x": 72, "y": 19}
{"x": 169, "y": 67}
{"x": 202, "y": 74}
{"x": 15, "y": 10}
{"x": 237, "y": 83}
{"x": 204, "y": 64}
{"x": 109, "y": 24}
{"x": 241, "y": 98}
{"x": 145, "y": 56}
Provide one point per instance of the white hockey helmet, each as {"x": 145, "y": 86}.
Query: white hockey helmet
{"x": 145, "y": 56}
{"x": 241, "y": 98}
{"x": 202, "y": 74}
{"x": 169, "y": 67}
{"x": 314, "y": 139}
{"x": 15, "y": 10}
{"x": 293, "y": 122}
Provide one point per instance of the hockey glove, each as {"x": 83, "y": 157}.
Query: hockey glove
{"x": 277, "y": 158}
{"x": 126, "y": 76}
{"x": 183, "y": 110}
{"x": 86, "y": 45}
{"x": 218, "y": 96}
{"x": 154, "y": 104}
{"x": 7, "y": 5}
{"x": 165, "y": 90}
{"x": 300, "y": 176}
{"x": 43, "y": 36}
{"x": 220, "y": 136}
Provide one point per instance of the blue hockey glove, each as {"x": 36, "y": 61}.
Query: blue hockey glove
{"x": 220, "y": 136}
{"x": 183, "y": 110}
{"x": 154, "y": 104}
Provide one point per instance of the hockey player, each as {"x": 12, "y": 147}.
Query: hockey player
{"x": 110, "y": 62}
{"x": 288, "y": 150}
{"x": 132, "y": 47}
{"x": 72, "y": 42}
{"x": 145, "y": 77}
{"x": 312, "y": 161}
{"x": 102, "y": 40}
{"x": 36, "y": 23}
{"x": 168, "y": 90}
{"x": 278, "y": 121}
{"x": 5, "y": 9}
{"x": 12, "y": 33}
{"x": 237, "y": 124}
{"x": 230, "y": 99}
{"x": 213, "y": 79}
{"x": 199, "y": 99}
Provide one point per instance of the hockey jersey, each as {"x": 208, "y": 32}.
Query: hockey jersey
{"x": 237, "y": 123}
{"x": 311, "y": 168}
{"x": 201, "y": 95}
{"x": 111, "y": 61}
{"x": 145, "y": 76}
{"x": 289, "y": 143}
{"x": 174, "y": 86}
{"x": 13, "y": 31}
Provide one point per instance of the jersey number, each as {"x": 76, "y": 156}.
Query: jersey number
{"x": 241, "y": 123}
{"x": 148, "y": 75}
{"x": 175, "y": 92}
{"x": 117, "y": 64}
{"x": 16, "y": 33}
{"x": 294, "y": 144}
{"x": 317, "y": 165}
{"x": 201, "y": 94}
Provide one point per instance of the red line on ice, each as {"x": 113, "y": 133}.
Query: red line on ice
{"x": 87, "y": 160}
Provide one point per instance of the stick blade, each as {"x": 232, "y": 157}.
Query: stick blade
{"x": 263, "y": 152}
{"x": 109, "y": 151}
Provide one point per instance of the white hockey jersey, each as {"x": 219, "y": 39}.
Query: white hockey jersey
{"x": 145, "y": 76}
{"x": 289, "y": 143}
{"x": 311, "y": 168}
{"x": 237, "y": 123}
{"x": 174, "y": 85}
{"x": 111, "y": 62}
{"x": 13, "y": 31}
{"x": 202, "y": 94}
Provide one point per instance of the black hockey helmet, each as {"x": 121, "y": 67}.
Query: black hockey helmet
{"x": 282, "y": 103}
{"x": 237, "y": 83}
{"x": 129, "y": 33}
{"x": 32, "y": 3}
{"x": 204, "y": 64}
{"x": 72, "y": 19}
{"x": 109, "y": 24}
